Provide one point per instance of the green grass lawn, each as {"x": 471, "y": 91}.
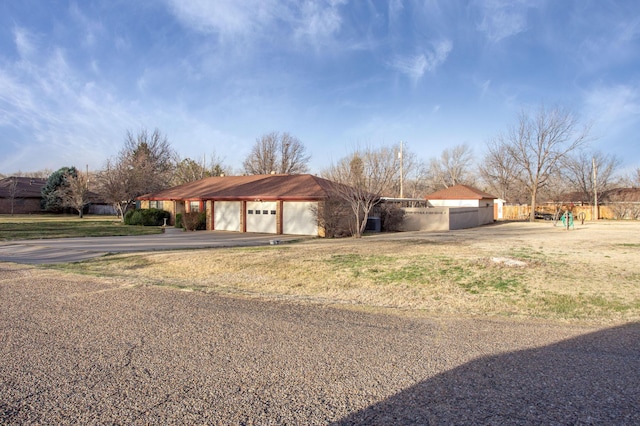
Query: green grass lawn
{"x": 29, "y": 227}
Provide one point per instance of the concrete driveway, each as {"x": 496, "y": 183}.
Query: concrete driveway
{"x": 63, "y": 250}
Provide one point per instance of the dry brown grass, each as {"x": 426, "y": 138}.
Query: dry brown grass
{"x": 591, "y": 274}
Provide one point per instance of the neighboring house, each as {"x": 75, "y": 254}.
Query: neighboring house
{"x": 275, "y": 204}
{"x": 21, "y": 195}
{"x": 460, "y": 196}
{"x": 456, "y": 207}
{"x": 621, "y": 195}
{"x": 98, "y": 206}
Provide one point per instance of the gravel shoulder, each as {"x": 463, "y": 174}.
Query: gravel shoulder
{"x": 84, "y": 350}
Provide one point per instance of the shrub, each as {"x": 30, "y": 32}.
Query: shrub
{"x": 178, "y": 220}
{"x": 334, "y": 215}
{"x": 194, "y": 221}
{"x": 391, "y": 218}
{"x": 146, "y": 217}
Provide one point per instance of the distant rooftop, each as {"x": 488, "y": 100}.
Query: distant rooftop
{"x": 460, "y": 192}
{"x": 26, "y": 187}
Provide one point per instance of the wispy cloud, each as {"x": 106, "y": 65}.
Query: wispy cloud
{"x": 225, "y": 17}
{"x": 417, "y": 65}
{"x": 91, "y": 29}
{"x": 503, "y": 19}
{"x": 484, "y": 86}
{"x": 310, "y": 20}
{"x": 395, "y": 9}
{"x": 63, "y": 111}
{"x": 24, "y": 42}
{"x": 615, "y": 114}
{"x": 318, "y": 20}
{"x": 613, "y": 106}
{"x": 607, "y": 41}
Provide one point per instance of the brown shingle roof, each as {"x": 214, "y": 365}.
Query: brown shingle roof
{"x": 26, "y": 187}
{"x": 622, "y": 195}
{"x": 459, "y": 192}
{"x": 264, "y": 187}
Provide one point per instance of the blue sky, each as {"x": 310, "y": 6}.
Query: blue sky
{"x": 216, "y": 75}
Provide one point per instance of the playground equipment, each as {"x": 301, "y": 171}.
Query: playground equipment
{"x": 567, "y": 220}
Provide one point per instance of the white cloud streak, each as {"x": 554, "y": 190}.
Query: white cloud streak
{"x": 417, "y": 65}
{"x": 310, "y": 21}
{"x": 614, "y": 106}
{"x": 503, "y": 19}
{"x": 615, "y": 114}
{"x": 45, "y": 99}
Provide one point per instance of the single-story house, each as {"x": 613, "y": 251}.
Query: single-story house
{"x": 455, "y": 207}
{"x": 21, "y": 195}
{"x": 276, "y": 204}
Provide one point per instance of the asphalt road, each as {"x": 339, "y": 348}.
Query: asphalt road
{"x": 62, "y": 250}
{"x": 81, "y": 350}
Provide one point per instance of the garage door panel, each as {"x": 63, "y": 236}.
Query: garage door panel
{"x": 261, "y": 217}
{"x": 226, "y": 215}
{"x": 298, "y": 218}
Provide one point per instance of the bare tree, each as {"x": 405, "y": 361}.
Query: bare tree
{"x": 40, "y": 174}
{"x": 578, "y": 171}
{"x": 632, "y": 180}
{"x": 499, "y": 172}
{"x": 361, "y": 179}
{"x": 145, "y": 164}
{"x": 188, "y": 170}
{"x": 277, "y": 153}
{"x": 43, "y": 174}
{"x": 114, "y": 185}
{"x": 538, "y": 144}
{"x": 411, "y": 183}
{"x": 14, "y": 192}
{"x": 151, "y": 160}
{"x": 75, "y": 192}
{"x": 453, "y": 167}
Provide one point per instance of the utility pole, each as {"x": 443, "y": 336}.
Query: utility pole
{"x": 401, "y": 171}
{"x": 595, "y": 189}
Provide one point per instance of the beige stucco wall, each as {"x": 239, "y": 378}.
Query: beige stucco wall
{"x": 446, "y": 218}
{"x": 426, "y": 219}
{"x": 485, "y": 215}
{"x": 463, "y": 217}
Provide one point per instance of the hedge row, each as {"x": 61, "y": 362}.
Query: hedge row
{"x": 146, "y": 217}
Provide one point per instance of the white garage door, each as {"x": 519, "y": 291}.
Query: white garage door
{"x": 226, "y": 215}
{"x": 298, "y": 219}
{"x": 261, "y": 217}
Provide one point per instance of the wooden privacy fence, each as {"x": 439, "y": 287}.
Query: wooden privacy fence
{"x": 522, "y": 212}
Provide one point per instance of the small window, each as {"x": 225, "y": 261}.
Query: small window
{"x": 249, "y": 211}
{"x": 273, "y": 212}
{"x": 265, "y": 211}
{"x": 257, "y": 211}
{"x": 194, "y": 206}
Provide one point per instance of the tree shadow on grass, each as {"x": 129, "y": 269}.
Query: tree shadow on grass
{"x": 591, "y": 379}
